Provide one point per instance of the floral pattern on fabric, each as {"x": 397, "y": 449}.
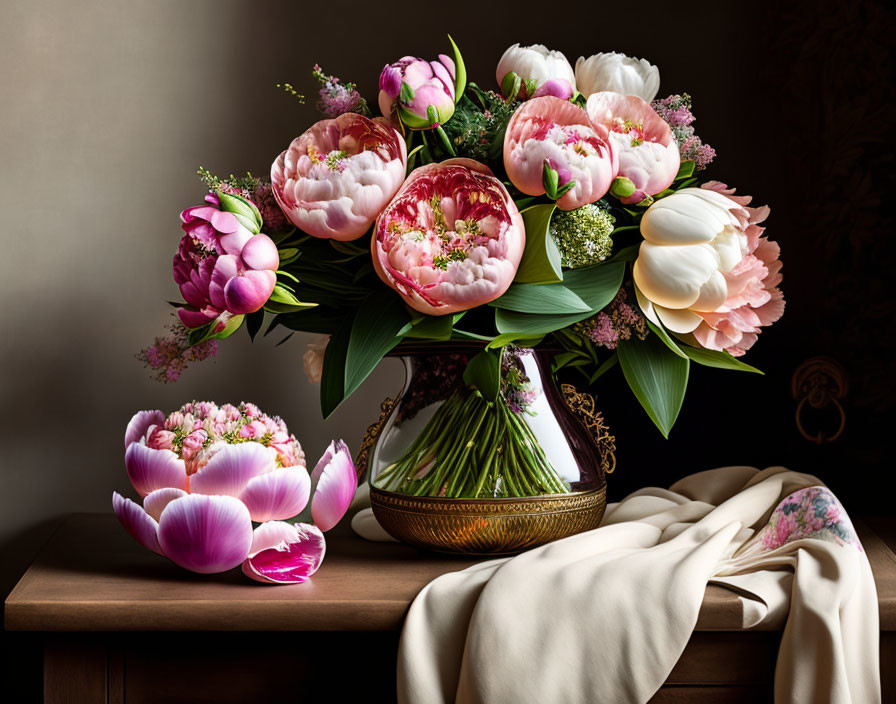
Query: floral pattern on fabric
{"x": 813, "y": 512}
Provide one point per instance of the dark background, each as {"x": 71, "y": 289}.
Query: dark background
{"x": 110, "y": 107}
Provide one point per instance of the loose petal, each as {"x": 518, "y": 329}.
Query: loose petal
{"x": 150, "y": 469}
{"x": 140, "y": 423}
{"x": 336, "y": 488}
{"x": 137, "y": 522}
{"x": 230, "y": 470}
{"x": 283, "y": 553}
{"x": 277, "y": 495}
{"x": 206, "y": 534}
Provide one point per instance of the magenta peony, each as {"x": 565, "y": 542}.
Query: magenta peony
{"x": 451, "y": 239}
{"x": 223, "y": 266}
{"x": 336, "y": 177}
{"x": 206, "y": 473}
{"x": 549, "y": 132}
{"x": 420, "y": 93}
{"x": 648, "y": 152}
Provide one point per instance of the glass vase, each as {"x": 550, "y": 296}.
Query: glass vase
{"x": 453, "y": 471}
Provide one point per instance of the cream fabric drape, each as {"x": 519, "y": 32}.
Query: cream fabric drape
{"x": 604, "y": 616}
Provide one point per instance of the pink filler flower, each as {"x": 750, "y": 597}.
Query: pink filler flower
{"x": 206, "y": 473}
{"x": 451, "y": 239}
{"x": 336, "y": 177}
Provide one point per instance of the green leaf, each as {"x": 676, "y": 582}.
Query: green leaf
{"x": 282, "y": 308}
{"x": 281, "y": 294}
{"x": 288, "y": 255}
{"x": 657, "y": 376}
{"x": 607, "y": 365}
{"x": 661, "y": 333}
{"x": 484, "y": 373}
{"x": 231, "y": 327}
{"x": 626, "y": 254}
{"x": 465, "y": 335}
{"x": 332, "y": 378}
{"x": 431, "y": 327}
{"x": 514, "y": 338}
{"x": 446, "y": 143}
{"x": 374, "y": 332}
{"x": 596, "y": 285}
{"x": 460, "y": 72}
{"x": 254, "y": 321}
{"x": 540, "y": 298}
{"x": 541, "y": 258}
{"x": 686, "y": 170}
{"x": 720, "y": 360}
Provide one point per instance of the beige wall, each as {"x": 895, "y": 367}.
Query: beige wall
{"x": 106, "y": 110}
{"x": 106, "y": 113}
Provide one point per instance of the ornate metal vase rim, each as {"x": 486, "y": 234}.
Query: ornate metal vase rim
{"x": 558, "y": 444}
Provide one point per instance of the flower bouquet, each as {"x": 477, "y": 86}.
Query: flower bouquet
{"x": 554, "y": 223}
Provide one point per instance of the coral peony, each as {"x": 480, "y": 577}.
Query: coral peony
{"x": 549, "y": 132}
{"x": 420, "y": 93}
{"x": 647, "y": 150}
{"x": 618, "y": 73}
{"x": 223, "y": 265}
{"x": 754, "y": 299}
{"x": 451, "y": 239}
{"x": 705, "y": 269}
{"x": 206, "y": 472}
{"x": 335, "y": 178}
{"x": 541, "y": 72}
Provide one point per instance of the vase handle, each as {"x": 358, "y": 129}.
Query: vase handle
{"x": 584, "y": 408}
{"x": 371, "y": 435}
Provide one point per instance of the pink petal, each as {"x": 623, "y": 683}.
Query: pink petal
{"x": 260, "y": 252}
{"x": 230, "y": 470}
{"x": 277, "y": 495}
{"x": 249, "y": 291}
{"x": 283, "y": 553}
{"x": 137, "y": 522}
{"x": 336, "y": 487}
{"x": 206, "y": 533}
{"x": 150, "y": 469}
{"x": 140, "y": 423}
{"x": 155, "y": 502}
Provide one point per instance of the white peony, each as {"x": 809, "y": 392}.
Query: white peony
{"x": 618, "y": 73}
{"x": 691, "y": 239}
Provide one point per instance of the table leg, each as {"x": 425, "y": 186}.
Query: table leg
{"x": 79, "y": 672}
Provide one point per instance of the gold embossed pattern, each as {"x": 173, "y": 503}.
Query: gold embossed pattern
{"x": 487, "y": 526}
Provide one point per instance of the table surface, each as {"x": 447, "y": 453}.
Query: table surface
{"x": 92, "y": 576}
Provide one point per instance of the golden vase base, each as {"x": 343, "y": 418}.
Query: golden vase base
{"x": 487, "y": 526}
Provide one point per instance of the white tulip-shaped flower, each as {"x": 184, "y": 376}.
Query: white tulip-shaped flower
{"x": 618, "y": 73}
{"x": 692, "y": 238}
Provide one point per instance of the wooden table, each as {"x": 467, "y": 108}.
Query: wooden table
{"x": 121, "y": 624}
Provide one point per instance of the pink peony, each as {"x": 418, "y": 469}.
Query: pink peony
{"x": 420, "y": 93}
{"x": 549, "y": 131}
{"x": 204, "y": 481}
{"x": 648, "y": 152}
{"x": 451, "y": 239}
{"x": 754, "y": 299}
{"x": 336, "y": 177}
{"x": 222, "y": 267}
